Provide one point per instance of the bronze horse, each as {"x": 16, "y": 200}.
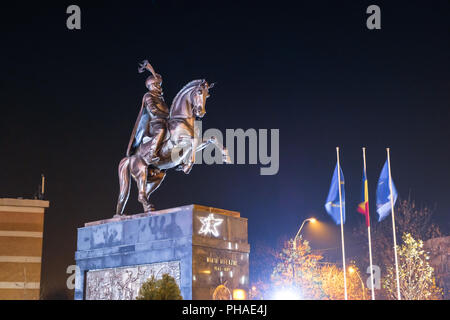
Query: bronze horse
{"x": 177, "y": 151}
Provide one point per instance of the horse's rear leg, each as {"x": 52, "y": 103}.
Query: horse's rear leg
{"x": 138, "y": 169}
{"x": 154, "y": 180}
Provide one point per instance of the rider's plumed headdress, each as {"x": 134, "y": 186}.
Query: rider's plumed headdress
{"x": 154, "y": 78}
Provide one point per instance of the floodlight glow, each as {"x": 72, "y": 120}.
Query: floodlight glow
{"x": 313, "y": 220}
{"x": 239, "y": 294}
{"x": 286, "y": 294}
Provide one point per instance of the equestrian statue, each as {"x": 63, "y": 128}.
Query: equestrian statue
{"x": 163, "y": 139}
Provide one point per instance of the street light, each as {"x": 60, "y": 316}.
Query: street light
{"x": 312, "y": 220}
{"x": 352, "y": 270}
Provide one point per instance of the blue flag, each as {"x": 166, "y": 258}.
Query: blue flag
{"x": 333, "y": 205}
{"x": 384, "y": 193}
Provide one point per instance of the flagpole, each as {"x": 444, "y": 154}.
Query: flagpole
{"x": 393, "y": 226}
{"x": 368, "y": 234}
{"x": 342, "y": 224}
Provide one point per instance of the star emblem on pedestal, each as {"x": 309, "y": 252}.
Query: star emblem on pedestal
{"x": 209, "y": 225}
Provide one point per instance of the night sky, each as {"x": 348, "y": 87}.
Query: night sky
{"x": 69, "y": 100}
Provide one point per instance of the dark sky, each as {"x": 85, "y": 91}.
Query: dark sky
{"x": 69, "y": 100}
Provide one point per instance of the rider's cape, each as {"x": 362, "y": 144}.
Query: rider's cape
{"x": 139, "y": 130}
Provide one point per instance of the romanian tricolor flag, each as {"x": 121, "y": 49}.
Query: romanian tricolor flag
{"x": 363, "y": 206}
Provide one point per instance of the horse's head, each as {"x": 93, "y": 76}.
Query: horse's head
{"x": 190, "y": 101}
{"x": 199, "y": 96}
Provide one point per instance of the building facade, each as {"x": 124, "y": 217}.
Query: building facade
{"x": 21, "y": 235}
{"x": 439, "y": 251}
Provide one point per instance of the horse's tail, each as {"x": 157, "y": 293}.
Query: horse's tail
{"x": 124, "y": 181}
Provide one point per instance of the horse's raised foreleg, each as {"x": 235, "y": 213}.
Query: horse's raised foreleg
{"x": 203, "y": 145}
{"x": 187, "y": 159}
{"x": 213, "y": 140}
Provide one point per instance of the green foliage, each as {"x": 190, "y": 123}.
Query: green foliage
{"x": 165, "y": 288}
{"x": 416, "y": 276}
{"x": 409, "y": 218}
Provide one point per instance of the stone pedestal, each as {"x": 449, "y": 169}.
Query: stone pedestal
{"x": 205, "y": 249}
